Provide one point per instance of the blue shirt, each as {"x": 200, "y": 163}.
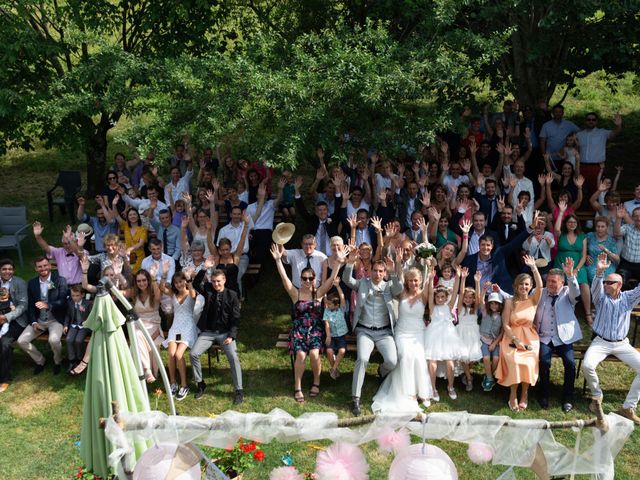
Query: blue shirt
{"x": 337, "y": 323}
{"x": 556, "y": 134}
{"x": 613, "y": 315}
{"x": 100, "y": 230}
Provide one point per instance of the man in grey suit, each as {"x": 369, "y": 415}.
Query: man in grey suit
{"x": 558, "y": 328}
{"x": 373, "y": 319}
{"x": 17, "y": 318}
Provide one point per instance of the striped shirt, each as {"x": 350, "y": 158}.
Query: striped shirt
{"x": 613, "y": 315}
{"x": 631, "y": 246}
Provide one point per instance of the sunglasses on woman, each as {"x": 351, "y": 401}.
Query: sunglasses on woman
{"x": 307, "y": 279}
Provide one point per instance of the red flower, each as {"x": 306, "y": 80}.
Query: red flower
{"x": 258, "y": 455}
{"x": 78, "y": 475}
{"x": 250, "y": 447}
{"x": 243, "y": 447}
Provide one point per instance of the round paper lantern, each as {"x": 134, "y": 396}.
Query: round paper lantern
{"x": 168, "y": 460}
{"x": 414, "y": 464}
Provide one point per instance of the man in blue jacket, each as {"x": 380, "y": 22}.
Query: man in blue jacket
{"x": 490, "y": 260}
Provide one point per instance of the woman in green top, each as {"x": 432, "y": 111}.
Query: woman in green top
{"x": 573, "y": 243}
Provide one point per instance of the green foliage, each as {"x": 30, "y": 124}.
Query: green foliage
{"x": 276, "y": 100}
{"x": 556, "y": 41}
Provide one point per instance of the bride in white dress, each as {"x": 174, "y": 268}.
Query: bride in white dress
{"x": 408, "y": 383}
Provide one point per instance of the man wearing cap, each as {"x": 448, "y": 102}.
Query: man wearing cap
{"x": 17, "y": 318}
{"x": 558, "y": 329}
{"x": 610, "y": 330}
{"x": 66, "y": 257}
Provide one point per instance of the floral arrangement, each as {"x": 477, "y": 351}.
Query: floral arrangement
{"x": 86, "y": 474}
{"x": 425, "y": 250}
{"x": 239, "y": 457}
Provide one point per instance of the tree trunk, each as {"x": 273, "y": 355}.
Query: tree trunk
{"x": 96, "y": 152}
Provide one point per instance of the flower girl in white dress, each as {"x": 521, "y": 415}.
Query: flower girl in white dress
{"x": 442, "y": 343}
{"x": 468, "y": 328}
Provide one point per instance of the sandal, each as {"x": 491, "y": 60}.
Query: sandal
{"x": 314, "y": 393}
{"x": 81, "y": 367}
{"x": 514, "y": 407}
{"x": 299, "y": 398}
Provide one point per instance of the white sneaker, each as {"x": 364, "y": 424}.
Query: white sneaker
{"x": 182, "y": 393}
{"x": 174, "y": 389}
{"x": 436, "y": 396}
{"x": 426, "y": 403}
{"x": 452, "y": 393}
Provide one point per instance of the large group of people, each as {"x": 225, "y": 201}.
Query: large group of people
{"x": 470, "y": 250}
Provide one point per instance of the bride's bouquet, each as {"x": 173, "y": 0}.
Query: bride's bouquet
{"x": 425, "y": 250}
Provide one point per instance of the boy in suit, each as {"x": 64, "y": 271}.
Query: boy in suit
{"x": 78, "y": 309}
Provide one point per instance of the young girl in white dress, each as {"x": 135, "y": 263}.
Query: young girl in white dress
{"x": 468, "y": 329}
{"x": 408, "y": 384}
{"x": 441, "y": 341}
{"x": 183, "y": 332}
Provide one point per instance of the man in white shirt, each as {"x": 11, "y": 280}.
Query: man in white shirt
{"x": 593, "y": 147}
{"x": 262, "y": 213}
{"x": 233, "y": 231}
{"x": 308, "y": 256}
{"x": 178, "y": 184}
{"x": 144, "y": 204}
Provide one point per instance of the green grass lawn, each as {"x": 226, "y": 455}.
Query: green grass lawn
{"x": 40, "y": 416}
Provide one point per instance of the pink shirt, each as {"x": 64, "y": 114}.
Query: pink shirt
{"x": 68, "y": 264}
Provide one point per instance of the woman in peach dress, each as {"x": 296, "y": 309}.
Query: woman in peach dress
{"x": 520, "y": 345}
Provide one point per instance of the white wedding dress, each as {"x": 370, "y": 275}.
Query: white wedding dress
{"x": 409, "y": 380}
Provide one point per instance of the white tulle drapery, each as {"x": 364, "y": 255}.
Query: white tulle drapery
{"x": 514, "y": 442}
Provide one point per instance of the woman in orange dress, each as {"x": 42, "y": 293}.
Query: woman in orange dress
{"x": 520, "y": 345}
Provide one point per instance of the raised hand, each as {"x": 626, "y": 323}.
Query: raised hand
{"x": 619, "y": 168}
{"x": 189, "y": 272}
{"x": 281, "y": 183}
{"x": 81, "y": 238}
{"x": 184, "y": 223}
{"x": 352, "y": 220}
{"x": 390, "y": 229}
{"x": 262, "y": 191}
{"x": 501, "y": 203}
{"x": 567, "y": 266}
{"x": 542, "y": 180}
{"x": 275, "y": 252}
{"x": 464, "y": 272}
{"x": 210, "y": 196}
{"x": 426, "y": 199}
{"x": 165, "y": 267}
{"x": 562, "y": 205}
{"x": 434, "y": 214}
{"x": 376, "y": 222}
{"x": 579, "y": 181}
{"x": 529, "y": 261}
{"x": 153, "y": 270}
{"x": 466, "y": 226}
{"x": 210, "y": 261}
{"x": 480, "y": 180}
{"x": 399, "y": 251}
{"x": 549, "y": 178}
{"x": 84, "y": 263}
{"x": 621, "y": 212}
{"x": 321, "y": 173}
{"x": 215, "y": 184}
{"x": 603, "y": 263}
{"x": 603, "y": 187}
{"x": 478, "y": 276}
{"x": 422, "y": 224}
{"x": 298, "y": 183}
{"x": 37, "y": 228}
{"x": 390, "y": 264}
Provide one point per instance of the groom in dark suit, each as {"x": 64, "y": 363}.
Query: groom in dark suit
{"x": 219, "y": 326}
{"x": 47, "y": 306}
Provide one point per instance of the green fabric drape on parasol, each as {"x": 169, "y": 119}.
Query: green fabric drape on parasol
{"x": 111, "y": 375}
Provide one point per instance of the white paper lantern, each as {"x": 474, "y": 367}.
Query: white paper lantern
{"x": 158, "y": 461}
{"x": 412, "y": 463}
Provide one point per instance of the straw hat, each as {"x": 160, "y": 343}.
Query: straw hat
{"x": 86, "y": 228}
{"x": 283, "y": 233}
{"x": 541, "y": 262}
